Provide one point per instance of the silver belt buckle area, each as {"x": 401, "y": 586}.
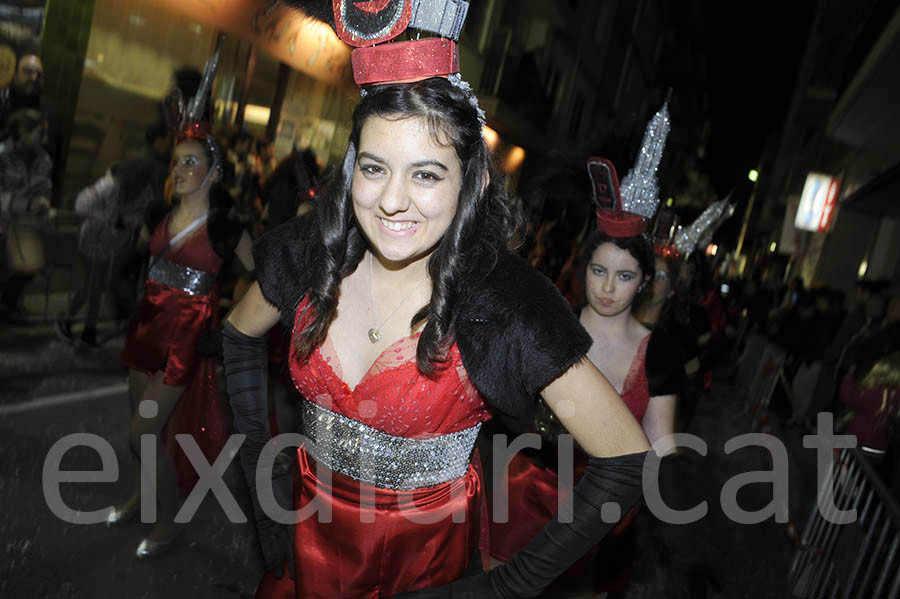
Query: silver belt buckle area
{"x": 187, "y": 279}
{"x": 385, "y": 461}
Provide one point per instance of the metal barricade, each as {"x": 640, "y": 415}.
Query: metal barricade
{"x": 856, "y": 560}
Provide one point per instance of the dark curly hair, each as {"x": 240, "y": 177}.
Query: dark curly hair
{"x": 483, "y": 225}
{"x": 639, "y": 246}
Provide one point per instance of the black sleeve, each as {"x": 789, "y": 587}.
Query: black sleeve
{"x": 246, "y": 360}
{"x": 224, "y": 232}
{"x": 664, "y": 365}
{"x": 283, "y": 257}
{"x": 607, "y": 483}
{"x": 155, "y": 213}
{"x": 517, "y": 334}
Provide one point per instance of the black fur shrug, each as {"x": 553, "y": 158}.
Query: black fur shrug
{"x": 514, "y": 330}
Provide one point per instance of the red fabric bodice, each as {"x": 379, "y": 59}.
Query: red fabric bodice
{"x": 375, "y": 548}
{"x": 195, "y": 251}
{"x": 636, "y": 389}
{"x": 393, "y": 396}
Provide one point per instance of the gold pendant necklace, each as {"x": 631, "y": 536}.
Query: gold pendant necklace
{"x": 375, "y": 334}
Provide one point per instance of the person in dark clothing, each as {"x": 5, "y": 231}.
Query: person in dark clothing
{"x": 292, "y": 184}
{"x": 24, "y": 93}
{"x": 241, "y": 175}
{"x": 115, "y": 206}
{"x": 25, "y": 191}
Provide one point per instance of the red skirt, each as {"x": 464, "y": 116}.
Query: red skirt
{"x": 164, "y": 337}
{"x": 407, "y": 540}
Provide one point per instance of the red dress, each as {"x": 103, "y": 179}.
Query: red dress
{"x": 382, "y": 541}
{"x": 181, "y": 301}
{"x": 533, "y": 489}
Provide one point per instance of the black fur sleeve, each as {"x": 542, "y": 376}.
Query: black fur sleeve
{"x": 664, "y": 365}
{"x": 283, "y": 260}
{"x": 517, "y": 334}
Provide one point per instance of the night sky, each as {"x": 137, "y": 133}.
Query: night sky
{"x": 755, "y": 50}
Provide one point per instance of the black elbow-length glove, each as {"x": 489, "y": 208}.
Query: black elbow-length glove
{"x": 246, "y": 361}
{"x": 558, "y": 545}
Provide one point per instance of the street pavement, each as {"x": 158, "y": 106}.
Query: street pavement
{"x": 50, "y": 389}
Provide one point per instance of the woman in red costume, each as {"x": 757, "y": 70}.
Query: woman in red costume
{"x": 618, "y": 264}
{"x": 412, "y": 324}
{"x": 172, "y": 387}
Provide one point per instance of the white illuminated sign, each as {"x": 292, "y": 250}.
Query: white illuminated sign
{"x": 817, "y": 202}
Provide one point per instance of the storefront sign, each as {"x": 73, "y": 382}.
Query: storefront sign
{"x": 306, "y": 45}
{"x": 817, "y": 202}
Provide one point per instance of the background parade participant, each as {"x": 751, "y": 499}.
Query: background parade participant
{"x": 171, "y": 386}
{"x": 618, "y": 264}
{"x": 409, "y": 314}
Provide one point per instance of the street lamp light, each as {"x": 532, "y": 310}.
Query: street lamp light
{"x": 753, "y": 175}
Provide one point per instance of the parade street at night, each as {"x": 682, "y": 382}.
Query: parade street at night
{"x": 449, "y": 299}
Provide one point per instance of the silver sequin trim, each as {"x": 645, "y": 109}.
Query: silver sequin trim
{"x": 377, "y": 458}
{"x": 457, "y": 81}
{"x": 179, "y": 276}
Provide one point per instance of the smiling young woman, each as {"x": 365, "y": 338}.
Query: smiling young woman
{"x": 405, "y": 192}
{"x": 411, "y": 240}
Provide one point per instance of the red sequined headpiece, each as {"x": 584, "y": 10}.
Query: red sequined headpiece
{"x": 368, "y": 25}
{"x": 199, "y": 131}
{"x": 611, "y": 218}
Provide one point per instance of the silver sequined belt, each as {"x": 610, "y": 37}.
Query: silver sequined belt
{"x": 377, "y": 458}
{"x": 190, "y": 280}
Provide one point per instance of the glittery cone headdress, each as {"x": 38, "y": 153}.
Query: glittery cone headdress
{"x": 193, "y": 117}
{"x": 639, "y": 190}
{"x": 699, "y": 233}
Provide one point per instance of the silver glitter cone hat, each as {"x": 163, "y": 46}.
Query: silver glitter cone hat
{"x": 699, "y": 233}
{"x": 637, "y": 199}
{"x": 640, "y": 188}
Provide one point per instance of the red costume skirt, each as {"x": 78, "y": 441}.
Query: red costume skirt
{"x": 164, "y": 338}
{"x": 533, "y": 502}
{"x": 407, "y": 540}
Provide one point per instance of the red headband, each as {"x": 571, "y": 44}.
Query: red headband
{"x": 611, "y": 219}
{"x": 195, "y": 130}
{"x": 403, "y": 62}
{"x": 621, "y": 223}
